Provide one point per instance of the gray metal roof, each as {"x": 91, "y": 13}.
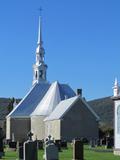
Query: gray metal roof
{"x": 30, "y": 101}
{"x": 64, "y": 106}
{"x": 38, "y": 92}
{"x": 54, "y": 95}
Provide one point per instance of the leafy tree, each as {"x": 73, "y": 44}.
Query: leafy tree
{"x": 10, "y": 105}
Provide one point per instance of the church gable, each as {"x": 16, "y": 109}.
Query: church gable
{"x": 78, "y": 122}
{"x": 78, "y": 111}
{"x": 71, "y": 105}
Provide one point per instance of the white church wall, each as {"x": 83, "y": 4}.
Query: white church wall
{"x": 117, "y": 127}
{"x": 53, "y": 128}
{"x": 38, "y": 127}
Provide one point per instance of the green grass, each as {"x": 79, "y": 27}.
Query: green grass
{"x": 67, "y": 155}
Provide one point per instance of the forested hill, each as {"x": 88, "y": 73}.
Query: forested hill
{"x": 6, "y": 105}
{"x": 4, "y": 102}
{"x": 104, "y": 108}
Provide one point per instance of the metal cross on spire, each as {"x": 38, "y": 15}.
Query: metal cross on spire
{"x": 40, "y": 10}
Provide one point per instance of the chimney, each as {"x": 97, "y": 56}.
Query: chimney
{"x": 79, "y": 92}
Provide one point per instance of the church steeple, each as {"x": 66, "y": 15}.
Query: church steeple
{"x": 116, "y": 88}
{"x": 40, "y": 50}
{"x": 40, "y": 31}
{"x": 39, "y": 68}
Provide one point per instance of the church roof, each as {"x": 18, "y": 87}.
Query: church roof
{"x": 30, "y": 101}
{"x": 54, "y": 95}
{"x": 64, "y": 106}
{"x": 41, "y": 99}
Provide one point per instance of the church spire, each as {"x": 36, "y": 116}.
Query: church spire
{"x": 116, "y": 88}
{"x": 40, "y": 31}
{"x": 40, "y": 67}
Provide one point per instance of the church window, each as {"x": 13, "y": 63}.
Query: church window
{"x": 36, "y": 74}
{"x": 41, "y": 74}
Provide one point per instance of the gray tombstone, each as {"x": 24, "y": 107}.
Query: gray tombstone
{"x": 58, "y": 145}
{"x": 78, "y": 150}
{"x": 100, "y": 142}
{"x": 40, "y": 144}
{"x": 103, "y": 141}
{"x": 13, "y": 145}
{"x": 30, "y": 148}
{"x": 109, "y": 143}
{"x": 64, "y": 144}
{"x": 51, "y": 151}
{"x": 20, "y": 150}
{"x": 1, "y": 143}
{"x": 92, "y": 143}
{"x": 97, "y": 142}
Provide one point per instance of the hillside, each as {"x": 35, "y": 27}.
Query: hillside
{"x": 4, "y": 102}
{"x": 104, "y": 109}
{"x": 5, "y": 106}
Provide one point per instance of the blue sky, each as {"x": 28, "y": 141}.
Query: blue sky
{"x": 81, "y": 40}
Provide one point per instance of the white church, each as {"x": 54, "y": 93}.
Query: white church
{"x": 51, "y": 108}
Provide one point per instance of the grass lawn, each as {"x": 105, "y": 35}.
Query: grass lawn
{"x": 67, "y": 155}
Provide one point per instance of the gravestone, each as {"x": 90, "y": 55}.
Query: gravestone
{"x": 13, "y": 145}
{"x": 64, "y": 144}
{"x": 92, "y": 143}
{"x": 1, "y": 143}
{"x": 109, "y": 142}
{"x": 13, "y": 137}
{"x": 20, "y": 150}
{"x": 40, "y": 144}
{"x": 97, "y": 142}
{"x": 58, "y": 145}
{"x": 103, "y": 141}
{"x": 30, "y": 148}
{"x": 78, "y": 150}
{"x": 51, "y": 151}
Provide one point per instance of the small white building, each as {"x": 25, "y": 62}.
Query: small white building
{"x": 116, "y": 99}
